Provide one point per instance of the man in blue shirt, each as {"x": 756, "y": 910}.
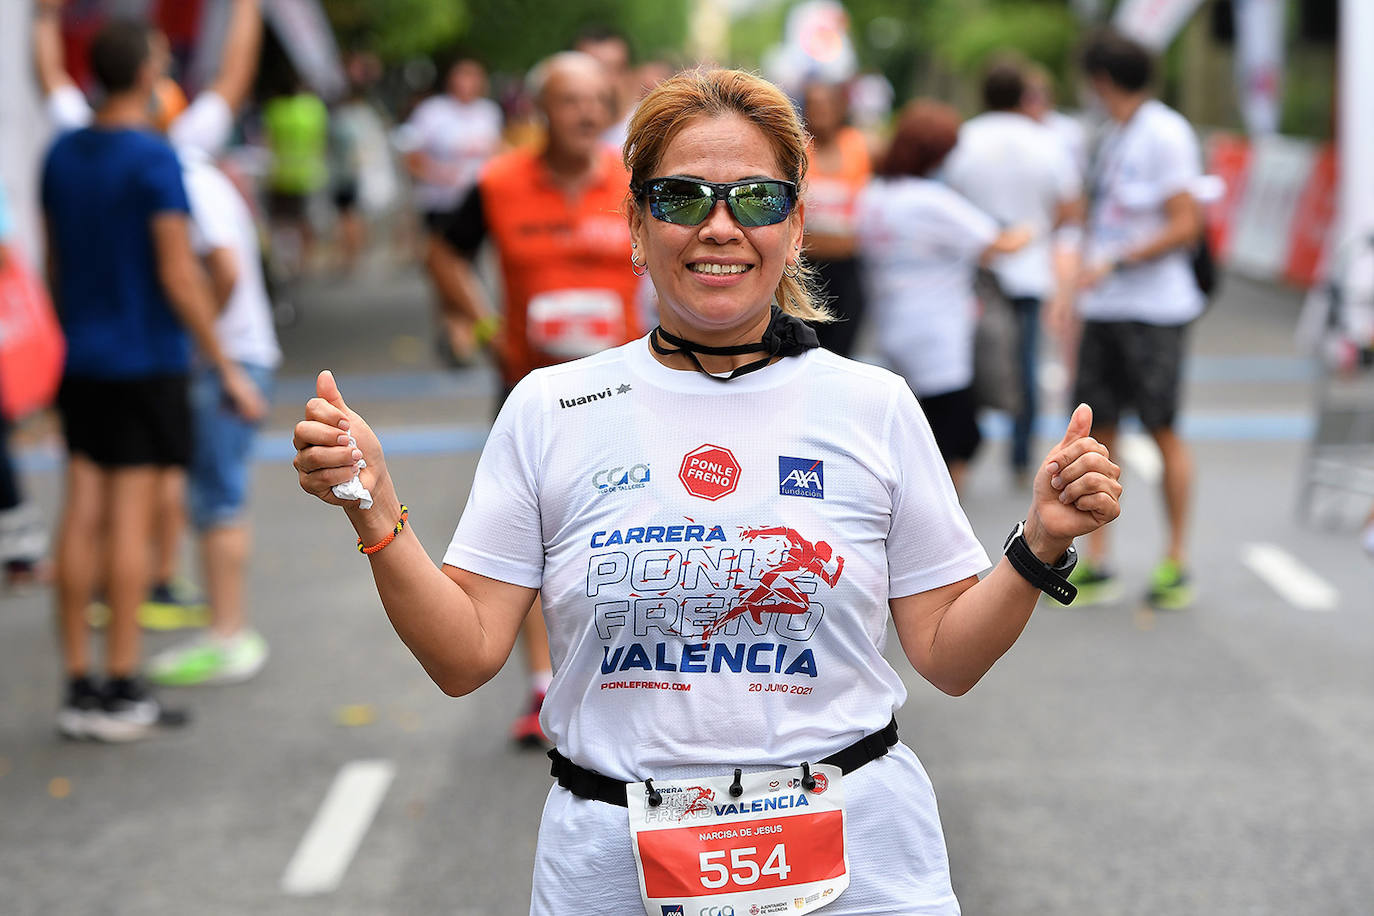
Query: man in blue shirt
{"x": 132, "y": 298}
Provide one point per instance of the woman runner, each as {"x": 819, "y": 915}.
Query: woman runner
{"x": 671, "y": 499}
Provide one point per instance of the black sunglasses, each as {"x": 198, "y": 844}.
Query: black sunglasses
{"x": 688, "y": 201}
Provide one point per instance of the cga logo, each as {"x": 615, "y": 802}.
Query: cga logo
{"x": 717, "y": 911}
{"x": 615, "y": 480}
{"x": 801, "y": 477}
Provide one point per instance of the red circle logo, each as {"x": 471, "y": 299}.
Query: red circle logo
{"x": 709, "y": 472}
{"x": 821, "y": 783}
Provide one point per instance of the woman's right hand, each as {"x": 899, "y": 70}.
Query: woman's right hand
{"x": 323, "y": 456}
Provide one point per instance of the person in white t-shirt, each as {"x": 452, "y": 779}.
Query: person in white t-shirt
{"x": 225, "y": 236}
{"x": 1138, "y": 290}
{"x": 446, "y": 141}
{"x": 919, "y": 242}
{"x": 1019, "y": 173}
{"x": 720, "y": 519}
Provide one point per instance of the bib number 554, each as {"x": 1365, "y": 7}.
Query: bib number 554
{"x": 744, "y": 869}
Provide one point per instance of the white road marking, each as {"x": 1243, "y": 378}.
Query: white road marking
{"x": 1141, "y": 455}
{"x": 1285, "y": 574}
{"x": 328, "y": 846}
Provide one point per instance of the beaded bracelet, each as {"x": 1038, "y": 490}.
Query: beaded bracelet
{"x": 400, "y": 523}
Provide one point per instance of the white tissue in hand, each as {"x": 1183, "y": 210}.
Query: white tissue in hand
{"x": 354, "y": 489}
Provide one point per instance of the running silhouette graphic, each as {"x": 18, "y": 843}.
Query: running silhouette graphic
{"x": 778, "y": 590}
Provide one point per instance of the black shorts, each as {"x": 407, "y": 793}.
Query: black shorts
{"x": 127, "y": 422}
{"x": 1130, "y": 365}
{"x": 345, "y": 196}
{"x": 436, "y": 220}
{"x": 953, "y": 418}
{"x": 282, "y": 205}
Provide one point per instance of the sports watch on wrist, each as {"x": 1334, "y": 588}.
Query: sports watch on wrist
{"x": 1053, "y": 580}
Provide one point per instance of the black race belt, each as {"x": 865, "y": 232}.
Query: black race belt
{"x": 588, "y": 784}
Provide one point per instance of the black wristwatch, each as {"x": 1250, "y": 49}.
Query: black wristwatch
{"x": 1053, "y": 580}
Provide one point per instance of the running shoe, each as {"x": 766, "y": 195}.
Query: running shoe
{"x": 1170, "y": 587}
{"x": 173, "y": 605}
{"x": 1094, "y": 583}
{"x": 210, "y": 659}
{"x": 129, "y": 712}
{"x": 526, "y": 731}
{"x": 81, "y": 705}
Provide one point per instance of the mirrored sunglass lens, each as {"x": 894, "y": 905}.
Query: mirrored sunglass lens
{"x": 680, "y": 202}
{"x": 673, "y": 208}
{"x": 761, "y": 204}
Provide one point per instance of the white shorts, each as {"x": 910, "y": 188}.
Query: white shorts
{"x": 897, "y": 859}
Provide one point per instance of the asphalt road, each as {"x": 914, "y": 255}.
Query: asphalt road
{"x": 1218, "y": 760}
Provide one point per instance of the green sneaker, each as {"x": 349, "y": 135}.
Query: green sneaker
{"x": 1170, "y": 587}
{"x": 1095, "y": 585}
{"x": 210, "y": 659}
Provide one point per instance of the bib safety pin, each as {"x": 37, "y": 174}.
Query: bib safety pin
{"x": 736, "y": 790}
{"x": 808, "y": 781}
{"x": 655, "y": 797}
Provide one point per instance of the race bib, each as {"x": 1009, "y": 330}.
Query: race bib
{"x": 777, "y": 848}
{"x": 575, "y": 322}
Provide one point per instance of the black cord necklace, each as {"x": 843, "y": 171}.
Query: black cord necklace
{"x": 786, "y": 335}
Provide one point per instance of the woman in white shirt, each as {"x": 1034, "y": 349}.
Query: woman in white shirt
{"x": 719, "y": 519}
{"x": 920, "y": 243}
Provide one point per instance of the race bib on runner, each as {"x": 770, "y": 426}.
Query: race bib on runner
{"x": 777, "y": 848}
{"x": 573, "y": 323}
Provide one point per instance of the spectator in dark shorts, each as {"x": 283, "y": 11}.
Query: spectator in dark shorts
{"x": 297, "y": 128}
{"x": 128, "y": 290}
{"x": 839, "y": 169}
{"x": 447, "y": 140}
{"x": 919, "y": 243}
{"x": 345, "y": 169}
{"x": 1138, "y": 292}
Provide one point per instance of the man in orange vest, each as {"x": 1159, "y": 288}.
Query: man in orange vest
{"x": 556, "y": 218}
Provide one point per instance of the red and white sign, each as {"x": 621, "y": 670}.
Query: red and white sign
{"x": 775, "y": 847}
{"x": 709, "y": 472}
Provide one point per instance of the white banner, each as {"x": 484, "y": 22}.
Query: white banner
{"x": 304, "y": 31}
{"x": 1153, "y": 23}
{"x": 1259, "y": 63}
{"x": 1355, "y": 132}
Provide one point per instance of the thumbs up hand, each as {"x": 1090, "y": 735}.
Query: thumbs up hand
{"x": 1077, "y": 490}
{"x": 324, "y": 457}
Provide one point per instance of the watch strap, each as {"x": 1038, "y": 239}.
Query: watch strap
{"x": 1039, "y": 573}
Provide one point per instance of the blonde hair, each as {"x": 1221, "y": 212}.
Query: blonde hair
{"x": 713, "y": 93}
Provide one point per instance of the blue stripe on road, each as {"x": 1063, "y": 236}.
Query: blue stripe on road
{"x": 274, "y": 446}
{"x": 480, "y": 381}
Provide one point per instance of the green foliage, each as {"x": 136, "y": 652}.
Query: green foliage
{"x": 1043, "y": 31}
{"x": 397, "y": 29}
{"x": 512, "y": 35}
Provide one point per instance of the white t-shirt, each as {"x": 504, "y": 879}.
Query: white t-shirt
{"x": 692, "y": 634}
{"x": 578, "y": 492}
{"x": 458, "y": 137}
{"x": 207, "y": 123}
{"x": 919, "y": 243}
{"x": 221, "y": 219}
{"x": 1140, "y": 165}
{"x": 1018, "y": 172}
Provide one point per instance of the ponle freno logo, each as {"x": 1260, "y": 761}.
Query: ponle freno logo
{"x": 709, "y": 472}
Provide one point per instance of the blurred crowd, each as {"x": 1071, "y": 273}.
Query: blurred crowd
{"x": 179, "y": 230}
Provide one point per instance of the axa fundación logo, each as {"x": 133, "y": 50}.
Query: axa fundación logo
{"x": 622, "y": 478}
{"x": 801, "y": 477}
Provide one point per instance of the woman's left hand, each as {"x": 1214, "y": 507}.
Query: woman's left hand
{"x": 1077, "y": 490}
